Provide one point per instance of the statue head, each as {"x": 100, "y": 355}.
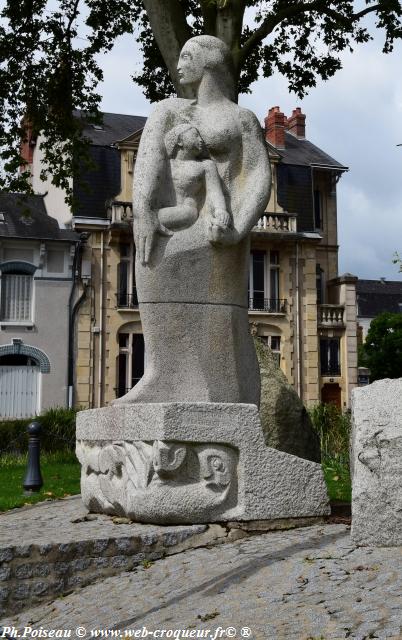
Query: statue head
{"x": 206, "y": 54}
{"x": 184, "y": 136}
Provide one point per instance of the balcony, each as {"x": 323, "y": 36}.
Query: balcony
{"x": 127, "y": 300}
{"x": 331, "y": 315}
{"x": 277, "y": 222}
{"x": 267, "y": 305}
{"x": 120, "y": 212}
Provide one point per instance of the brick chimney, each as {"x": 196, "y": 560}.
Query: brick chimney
{"x": 275, "y": 124}
{"x": 296, "y": 124}
{"x": 27, "y": 145}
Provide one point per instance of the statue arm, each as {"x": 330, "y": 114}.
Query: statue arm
{"x": 256, "y": 167}
{"x": 149, "y": 174}
{"x": 213, "y": 186}
{"x": 255, "y": 187}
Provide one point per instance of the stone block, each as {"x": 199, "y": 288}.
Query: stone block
{"x": 191, "y": 463}
{"x": 377, "y": 464}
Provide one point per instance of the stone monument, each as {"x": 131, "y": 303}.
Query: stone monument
{"x": 186, "y": 444}
{"x": 377, "y": 464}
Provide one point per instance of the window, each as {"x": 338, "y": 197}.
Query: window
{"x": 317, "y": 209}
{"x": 319, "y": 278}
{"x": 54, "y": 261}
{"x": 126, "y": 289}
{"x": 330, "y": 357}
{"x": 130, "y": 366}
{"x": 264, "y": 282}
{"x": 274, "y": 342}
{"x": 16, "y": 296}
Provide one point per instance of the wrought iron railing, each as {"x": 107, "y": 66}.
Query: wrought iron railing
{"x": 268, "y": 305}
{"x": 126, "y": 300}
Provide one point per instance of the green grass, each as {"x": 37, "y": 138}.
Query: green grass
{"x": 60, "y": 473}
{"x": 337, "y": 477}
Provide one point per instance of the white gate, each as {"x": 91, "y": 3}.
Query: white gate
{"x": 19, "y": 391}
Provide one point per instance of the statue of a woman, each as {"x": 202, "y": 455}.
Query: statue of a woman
{"x": 191, "y": 275}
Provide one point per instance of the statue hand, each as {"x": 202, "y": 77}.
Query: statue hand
{"x": 145, "y": 233}
{"x": 218, "y": 234}
{"x": 221, "y": 218}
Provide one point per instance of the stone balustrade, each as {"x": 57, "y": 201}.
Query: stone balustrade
{"x": 330, "y": 315}
{"x": 120, "y": 212}
{"x": 282, "y": 222}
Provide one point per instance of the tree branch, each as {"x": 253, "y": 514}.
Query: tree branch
{"x": 271, "y": 22}
{"x": 209, "y": 11}
{"x": 171, "y": 31}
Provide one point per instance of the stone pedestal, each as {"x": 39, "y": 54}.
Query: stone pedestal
{"x": 191, "y": 463}
{"x": 377, "y": 464}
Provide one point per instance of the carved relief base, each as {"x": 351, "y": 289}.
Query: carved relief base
{"x": 187, "y": 463}
{"x": 148, "y": 481}
{"x": 377, "y": 464}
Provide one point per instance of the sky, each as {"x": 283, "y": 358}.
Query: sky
{"x": 356, "y": 117}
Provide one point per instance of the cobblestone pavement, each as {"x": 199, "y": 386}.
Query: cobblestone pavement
{"x": 302, "y": 584}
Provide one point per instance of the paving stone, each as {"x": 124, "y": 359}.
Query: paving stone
{"x": 262, "y": 582}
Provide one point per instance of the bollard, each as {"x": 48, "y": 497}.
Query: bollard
{"x": 33, "y": 477}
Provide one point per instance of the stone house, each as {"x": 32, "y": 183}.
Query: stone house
{"x": 36, "y": 284}
{"x": 374, "y": 297}
{"x": 298, "y": 303}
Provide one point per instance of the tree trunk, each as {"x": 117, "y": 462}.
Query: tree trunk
{"x": 171, "y": 31}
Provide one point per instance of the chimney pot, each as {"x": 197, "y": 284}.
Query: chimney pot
{"x": 296, "y": 124}
{"x": 275, "y": 127}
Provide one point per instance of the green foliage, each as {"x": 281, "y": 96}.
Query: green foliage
{"x": 333, "y": 428}
{"x": 337, "y": 478}
{"x": 397, "y": 260}
{"x": 58, "y": 432}
{"x": 382, "y": 350}
{"x": 49, "y": 59}
{"x": 61, "y": 477}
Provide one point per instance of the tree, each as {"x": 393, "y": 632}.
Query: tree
{"x": 397, "y": 260}
{"x": 48, "y": 69}
{"x": 382, "y": 350}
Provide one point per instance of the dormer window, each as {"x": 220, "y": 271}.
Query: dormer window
{"x": 16, "y": 292}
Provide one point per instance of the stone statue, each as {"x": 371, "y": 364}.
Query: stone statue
{"x": 202, "y": 180}
{"x": 191, "y": 172}
{"x": 185, "y": 445}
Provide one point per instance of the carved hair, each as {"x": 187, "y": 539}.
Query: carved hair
{"x": 174, "y": 137}
{"x": 218, "y": 58}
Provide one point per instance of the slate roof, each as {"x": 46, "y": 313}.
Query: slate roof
{"x": 26, "y": 217}
{"x": 302, "y": 152}
{"x": 103, "y": 183}
{"x": 376, "y": 296}
{"x": 115, "y": 127}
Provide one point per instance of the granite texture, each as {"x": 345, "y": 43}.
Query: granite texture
{"x": 202, "y": 179}
{"x": 285, "y": 422}
{"x": 305, "y": 584}
{"x": 377, "y": 463}
{"x": 52, "y": 548}
{"x": 189, "y": 463}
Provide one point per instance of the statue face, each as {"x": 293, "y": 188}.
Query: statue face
{"x": 190, "y": 65}
{"x": 192, "y": 141}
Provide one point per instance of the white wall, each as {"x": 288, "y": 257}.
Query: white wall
{"x": 54, "y": 200}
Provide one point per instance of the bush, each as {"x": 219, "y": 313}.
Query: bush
{"x": 58, "y": 432}
{"x": 333, "y": 428}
